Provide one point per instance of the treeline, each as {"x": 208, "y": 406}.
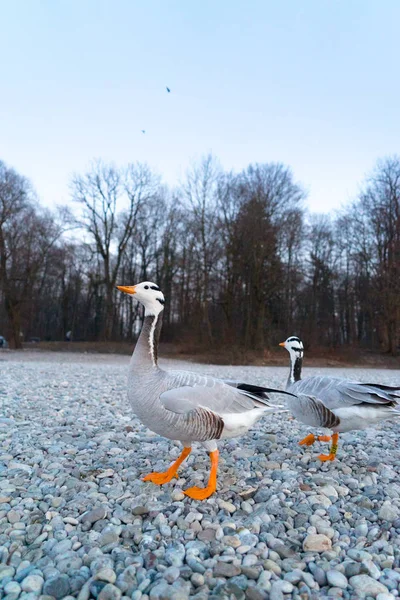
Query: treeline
{"x": 240, "y": 260}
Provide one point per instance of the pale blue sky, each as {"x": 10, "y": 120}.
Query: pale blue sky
{"x": 312, "y": 83}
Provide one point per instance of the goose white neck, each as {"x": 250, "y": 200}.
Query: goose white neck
{"x": 146, "y": 350}
{"x": 153, "y": 308}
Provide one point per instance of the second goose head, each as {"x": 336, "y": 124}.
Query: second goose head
{"x": 294, "y": 346}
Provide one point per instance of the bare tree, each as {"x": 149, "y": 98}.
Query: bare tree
{"x": 200, "y": 192}
{"x": 379, "y": 209}
{"x": 110, "y": 200}
{"x": 27, "y": 235}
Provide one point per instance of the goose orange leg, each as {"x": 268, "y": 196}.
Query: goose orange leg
{"x": 310, "y": 439}
{"x": 160, "y": 478}
{"x": 333, "y": 450}
{"x": 202, "y": 493}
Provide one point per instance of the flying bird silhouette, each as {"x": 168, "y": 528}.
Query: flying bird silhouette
{"x": 143, "y": 131}
{"x": 168, "y": 90}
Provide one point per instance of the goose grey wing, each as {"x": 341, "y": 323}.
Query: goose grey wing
{"x": 338, "y": 393}
{"x": 189, "y": 392}
{"x": 200, "y": 422}
{"x": 311, "y": 411}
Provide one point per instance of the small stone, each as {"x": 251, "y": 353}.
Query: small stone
{"x": 106, "y": 473}
{"x": 57, "y": 586}
{"x": 197, "y": 579}
{"x": 361, "y": 530}
{"x": 6, "y": 571}
{"x": 234, "y": 590}
{"x": 388, "y": 512}
{"x": 305, "y": 487}
{"x": 336, "y": 579}
{"x": 384, "y": 596}
{"x": 263, "y": 495}
{"x": 13, "y": 516}
{"x": 329, "y": 490}
{"x": 107, "y": 575}
{"x": 177, "y": 495}
{"x": 249, "y": 493}
{"x": 171, "y": 574}
{"x": 228, "y": 506}
{"x": 98, "y": 513}
{"x": 174, "y": 554}
{"x": 371, "y": 568}
{"x": 12, "y": 587}
{"x": 110, "y": 592}
{"x": 193, "y": 516}
{"x": 71, "y": 521}
{"x": 32, "y": 583}
{"x": 109, "y": 535}
{"x": 317, "y": 542}
{"x": 206, "y": 535}
{"x": 254, "y": 593}
{"x": 272, "y": 566}
{"x": 251, "y": 572}
{"x": 161, "y": 591}
{"x": 231, "y": 540}
{"x": 140, "y": 510}
{"x": 264, "y": 581}
{"x": 227, "y": 570}
{"x": 246, "y": 507}
{"x": 365, "y": 585}
{"x": 318, "y": 574}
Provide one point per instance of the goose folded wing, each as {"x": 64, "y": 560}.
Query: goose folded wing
{"x": 212, "y": 394}
{"x": 200, "y": 422}
{"x": 313, "y": 412}
{"x": 339, "y": 393}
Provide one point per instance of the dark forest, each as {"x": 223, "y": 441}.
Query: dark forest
{"x": 241, "y": 261}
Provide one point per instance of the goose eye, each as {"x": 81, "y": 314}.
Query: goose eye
{"x": 146, "y": 287}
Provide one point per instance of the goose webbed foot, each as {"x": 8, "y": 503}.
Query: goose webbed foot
{"x": 326, "y": 457}
{"x": 310, "y": 439}
{"x": 161, "y": 478}
{"x": 333, "y": 450}
{"x": 202, "y": 493}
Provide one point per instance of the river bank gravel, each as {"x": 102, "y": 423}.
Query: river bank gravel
{"x": 76, "y": 521}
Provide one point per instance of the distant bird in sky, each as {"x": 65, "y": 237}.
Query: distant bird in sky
{"x": 143, "y": 131}
{"x": 168, "y": 90}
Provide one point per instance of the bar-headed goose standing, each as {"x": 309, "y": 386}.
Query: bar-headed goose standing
{"x": 185, "y": 406}
{"x": 337, "y": 404}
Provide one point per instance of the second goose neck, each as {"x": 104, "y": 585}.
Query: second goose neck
{"x": 296, "y": 364}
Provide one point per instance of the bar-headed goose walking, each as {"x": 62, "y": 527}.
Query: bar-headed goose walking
{"x": 337, "y": 404}
{"x": 185, "y": 406}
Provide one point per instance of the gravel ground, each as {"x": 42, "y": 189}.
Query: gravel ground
{"x": 76, "y": 520}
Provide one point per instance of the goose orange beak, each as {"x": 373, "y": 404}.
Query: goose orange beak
{"x": 127, "y": 289}
{"x": 282, "y": 344}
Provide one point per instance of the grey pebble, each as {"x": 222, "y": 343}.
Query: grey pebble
{"x": 336, "y": 579}
{"x": 57, "y": 586}
{"x": 110, "y": 592}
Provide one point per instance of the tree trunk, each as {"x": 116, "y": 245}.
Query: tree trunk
{"x": 14, "y": 317}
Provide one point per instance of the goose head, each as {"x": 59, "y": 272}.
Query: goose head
{"x": 148, "y": 294}
{"x": 294, "y": 346}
